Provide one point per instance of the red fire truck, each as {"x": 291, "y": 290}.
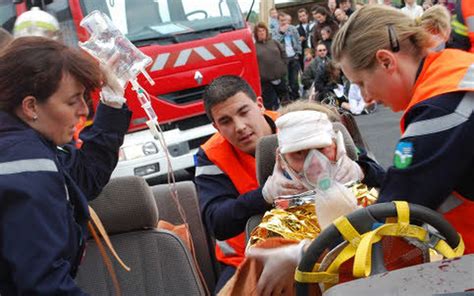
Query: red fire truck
{"x": 191, "y": 43}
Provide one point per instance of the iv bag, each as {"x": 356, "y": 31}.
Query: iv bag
{"x": 107, "y": 44}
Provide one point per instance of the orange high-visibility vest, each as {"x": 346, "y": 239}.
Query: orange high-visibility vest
{"x": 445, "y": 72}
{"x": 467, "y": 8}
{"x": 240, "y": 168}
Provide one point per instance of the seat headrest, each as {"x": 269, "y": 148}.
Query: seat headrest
{"x": 265, "y": 152}
{"x": 126, "y": 204}
{"x": 351, "y": 149}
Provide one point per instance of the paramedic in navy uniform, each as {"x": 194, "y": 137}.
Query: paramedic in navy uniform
{"x": 45, "y": 182}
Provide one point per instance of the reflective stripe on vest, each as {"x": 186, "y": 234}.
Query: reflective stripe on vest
{"x": 208, "y": 170}
{"x": 459, "y": 28}
{"x": 449, "y": 204}
{"x": 443, "y": 72}
{"x": 470, "y": 24}
{"x": 439, "y": 124}
{"x": 468, "y": 79}
{"x": 226, "y": 248}
{"x": 27, "y": 166}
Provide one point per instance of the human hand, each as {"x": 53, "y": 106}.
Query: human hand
{"x": 347, "y": 170}
{"x": 279, "y": 266}
{"x": 284, "y": 28}
{"x": 277, "y": 184}
{"x": 112, "y": 93}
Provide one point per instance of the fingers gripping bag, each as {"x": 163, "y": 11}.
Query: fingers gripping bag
{"x": 332, "y": 199}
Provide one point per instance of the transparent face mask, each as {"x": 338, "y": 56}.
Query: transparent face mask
{"x": 317, "y": 171}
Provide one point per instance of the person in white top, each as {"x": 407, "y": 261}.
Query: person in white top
{"x": 412, "y": 9}
{"x": 356, "y": 104}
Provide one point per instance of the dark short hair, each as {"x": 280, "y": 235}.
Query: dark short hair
{"x": 34, "y": 66}
{"x": 224, "y": 87}
{"x": 320, "y": 10}
{"x": 260, "y": 25}
{"x": 302, "y": 9}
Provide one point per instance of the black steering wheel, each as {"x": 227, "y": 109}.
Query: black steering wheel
{"x": 363, "y": 220}
{"x": 187, "y": 15}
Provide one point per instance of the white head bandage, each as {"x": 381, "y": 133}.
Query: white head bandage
{"x": 301, "y": 130}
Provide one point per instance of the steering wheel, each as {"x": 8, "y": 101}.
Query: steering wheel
{"x": 187, "y": 15}
{"x": 363, "y": 222}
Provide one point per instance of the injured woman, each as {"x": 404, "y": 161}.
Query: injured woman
{"x": 312, "y": 151}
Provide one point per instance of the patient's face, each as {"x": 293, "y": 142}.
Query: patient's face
{"x": 295, "y": 160}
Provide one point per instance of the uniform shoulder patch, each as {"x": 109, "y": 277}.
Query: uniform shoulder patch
{"x": 403, "y": 155}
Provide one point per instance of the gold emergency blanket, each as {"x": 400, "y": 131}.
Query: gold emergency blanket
{"x": 296, "y": 223}
{"x": 300, "y": 222}
{"x": 365, "y": 196}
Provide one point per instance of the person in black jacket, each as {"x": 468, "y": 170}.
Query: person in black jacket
{"x": 305, "y": 29}
{"x": 271, "y": 57}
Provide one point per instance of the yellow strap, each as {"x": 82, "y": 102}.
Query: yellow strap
{"x": 363, "y": 256}
{"x": 403, "y": 212}
{"x": 316, "y": 277}
{"x": 347, "y": 253}
{"x": 348, "y": 232}
{"x": 444, "y": 249}
{"x": 100, "y": 227}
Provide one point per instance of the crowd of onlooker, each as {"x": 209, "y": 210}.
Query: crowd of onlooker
{"x": 295, "y": 60}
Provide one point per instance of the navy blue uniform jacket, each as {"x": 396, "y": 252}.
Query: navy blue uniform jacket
{"x": 43, "y": 201}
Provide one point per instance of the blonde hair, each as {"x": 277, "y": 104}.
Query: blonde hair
{"x": 368, "y": 30}
{"x": 300, "y": 105}
{"x": 437, "y": 21}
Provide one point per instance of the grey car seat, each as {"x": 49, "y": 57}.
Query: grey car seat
{"x": 203, "y": 244}
{"x": 160, "y": 263}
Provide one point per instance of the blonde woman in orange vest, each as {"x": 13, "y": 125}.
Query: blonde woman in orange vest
{"x": 387, "y": 55}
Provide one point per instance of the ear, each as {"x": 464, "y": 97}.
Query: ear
{"x": 386, "y": 59}
{"x": 215, "y": 125}
{"x": 29, "y": 108}
{"x": 260, "y": 105}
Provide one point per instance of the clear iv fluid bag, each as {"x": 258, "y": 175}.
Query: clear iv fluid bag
{"x": 107, "y": 42}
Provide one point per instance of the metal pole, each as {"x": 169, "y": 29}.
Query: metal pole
{"x": 265, "y": 6}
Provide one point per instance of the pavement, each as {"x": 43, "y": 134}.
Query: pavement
{"x": 380, "y": 130}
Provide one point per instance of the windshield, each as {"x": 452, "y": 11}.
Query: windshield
{"x": 7, "y": 14}
{"x": 160, "y": 19}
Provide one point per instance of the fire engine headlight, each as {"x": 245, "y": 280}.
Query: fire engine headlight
{"x": 137, "y": 151}
{"x": 149, "y": 148}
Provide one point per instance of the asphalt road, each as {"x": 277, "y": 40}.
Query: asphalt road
{"x": 380, "y": 130}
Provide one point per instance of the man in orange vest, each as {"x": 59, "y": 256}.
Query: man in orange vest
{"x": 226, "y": 180}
